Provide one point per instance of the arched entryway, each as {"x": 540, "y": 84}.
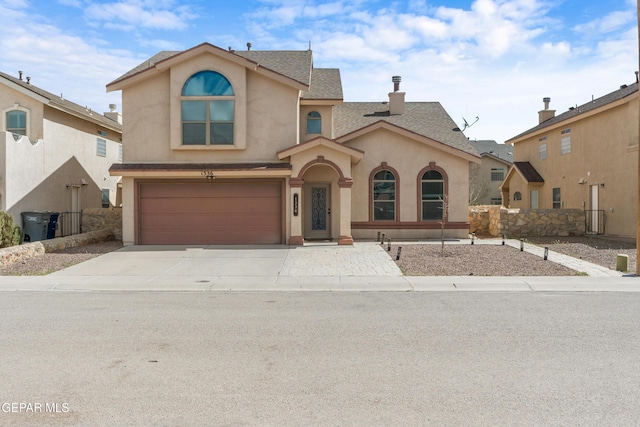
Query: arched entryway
{"x": 320, "y": 191}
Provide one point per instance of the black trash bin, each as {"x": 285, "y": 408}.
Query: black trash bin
{"x": 52, "y": 226}
{"x": 34, "y": 226}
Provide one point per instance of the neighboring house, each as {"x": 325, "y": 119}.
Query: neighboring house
{"x": 258, "y": 147}
{"x": 485, "y": 178}
{"x": 54, "y": 154}
{"x": 585, "y": 158}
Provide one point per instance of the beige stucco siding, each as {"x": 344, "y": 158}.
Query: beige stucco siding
{"x": 146, "y": 120}
{"x": 326, "y": 114}
{"x": 481, "y": 185}
{"x": 408, "y": 157}
{"x": 603, "y": 152}
{"x": 263, "y": 124}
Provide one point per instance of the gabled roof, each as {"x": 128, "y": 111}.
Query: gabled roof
{"x": 60, "y": 103}
{"x": 292, "y": 64}
{"x": 355, "y": 154}
{"x": 295, "y": 64}
{"x": 493, "y": 149}
{"x": 610, "y": 98}
{"x": 325, "y": 84}
{"x": 427, "y": 119}
{"x": 528, "y": 172}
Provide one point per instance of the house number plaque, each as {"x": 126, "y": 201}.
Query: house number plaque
{"x": 295, "y": 204}
{"x": 208, "y": 174}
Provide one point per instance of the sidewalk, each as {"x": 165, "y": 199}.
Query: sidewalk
{"x": 365, "y": 266}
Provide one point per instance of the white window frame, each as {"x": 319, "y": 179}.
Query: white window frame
{"x": 497, "y": 173}
{"x": 565, "y": 145}
{"x": 19, "y": 108}
{"x": 100, "y": 142}
{"x": 542, "y": 151}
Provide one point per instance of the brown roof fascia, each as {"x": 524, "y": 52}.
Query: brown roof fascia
{"x": 197, "y": 166}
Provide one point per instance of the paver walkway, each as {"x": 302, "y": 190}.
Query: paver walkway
{"x": 361, "y": 259}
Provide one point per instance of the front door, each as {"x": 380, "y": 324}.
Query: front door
{"x": 593, "y": 223}
{"x": 317, "y": 211}
{"x": 534, "y": 204}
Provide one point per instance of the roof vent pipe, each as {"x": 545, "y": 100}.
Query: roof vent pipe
{"x": 396, "y": 83}
{"x": 546, "y": 102}
{"x": 20, "y": 74}
{"x": 28, "y": 80}
{"x": 248, "y": 46}
{"x": 637, "y": 79}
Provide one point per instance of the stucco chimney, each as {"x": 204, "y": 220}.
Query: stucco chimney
{"x": 546, "y": 114}
{"x": 113, "y": 114}
{"x": 396, "y": 98}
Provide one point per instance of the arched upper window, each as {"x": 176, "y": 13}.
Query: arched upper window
{"x": 16, "y": 122}
{"x": 384, "y": 196}
{"x": 432, "y": 196}
{"x": 208, "y": 110}
{"x": 314, "y": 122}
{"x": 517, "y": 196}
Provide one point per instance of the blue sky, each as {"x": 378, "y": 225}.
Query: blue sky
{"x": 492, "y": 59}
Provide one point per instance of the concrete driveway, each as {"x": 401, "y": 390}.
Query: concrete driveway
{"x": 365, "y": 266}
{"x": 204, "y": 267}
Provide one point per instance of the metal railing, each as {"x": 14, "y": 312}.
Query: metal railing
{"x": 595, "y": 222}
{"x": 70, "y": 223}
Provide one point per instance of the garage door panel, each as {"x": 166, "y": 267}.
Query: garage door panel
{"x": 210, "y": 213}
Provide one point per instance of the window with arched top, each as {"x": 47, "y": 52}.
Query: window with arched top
{"x": 383, "y": 187}
{"x": 16, "y": 122}
{"x": 517, "y": 196}
{"x": 208, "y": 110}
{"x": 314, "y": 122}
{"x": 432, "y": 196}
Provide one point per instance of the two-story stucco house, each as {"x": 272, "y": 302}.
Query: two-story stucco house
{"x": 54, "y": 154}
{"x": 485, "y": 178}
{"x": 585, "y": 158}
{"x": 259, "y": 147}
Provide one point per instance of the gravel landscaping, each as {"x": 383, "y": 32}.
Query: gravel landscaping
{"x": 54, "y": 261}
{"x": 473, "y": 260}
{"x": 416, "y": 259}
{"x": 498, "y": 260}
{"x": 597, "y": 249}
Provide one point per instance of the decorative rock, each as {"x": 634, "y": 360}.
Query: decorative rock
{"x": 496, "y": 220}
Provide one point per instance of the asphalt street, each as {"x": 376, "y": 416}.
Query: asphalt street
{"x": 319, "y": 358}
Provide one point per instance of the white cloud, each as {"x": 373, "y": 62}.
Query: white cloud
{"x": 612, "y": 22}
{"x": 161, "y": 15}
{"x": 61, "y": 63}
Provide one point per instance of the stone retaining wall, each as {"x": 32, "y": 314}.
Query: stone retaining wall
{"x": 100, "y": 218}
{"x": 496, "y": 221}
{"x": 25, "y": 251}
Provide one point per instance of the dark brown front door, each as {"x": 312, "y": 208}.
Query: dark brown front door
{"x": 219, "y": 212}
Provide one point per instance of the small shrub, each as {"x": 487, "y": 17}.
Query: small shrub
{"x": 10, "y": 233}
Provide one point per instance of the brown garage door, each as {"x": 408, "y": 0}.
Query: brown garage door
{"x": 218, "y": 212}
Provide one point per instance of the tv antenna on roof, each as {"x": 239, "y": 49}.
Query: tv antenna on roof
{"x": 466, "y": 125}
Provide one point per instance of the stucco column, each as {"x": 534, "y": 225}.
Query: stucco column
{"x": 296, "y": 237}
{"x": 345, "y": 237}
{"x": 128, "y": 204}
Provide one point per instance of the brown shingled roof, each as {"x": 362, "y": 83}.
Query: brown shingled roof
{"x": 617, "y": 95}
{"x": 428, "y": 119}
{"x": 66, "y": 105}
{"x": 529, "y": 173}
